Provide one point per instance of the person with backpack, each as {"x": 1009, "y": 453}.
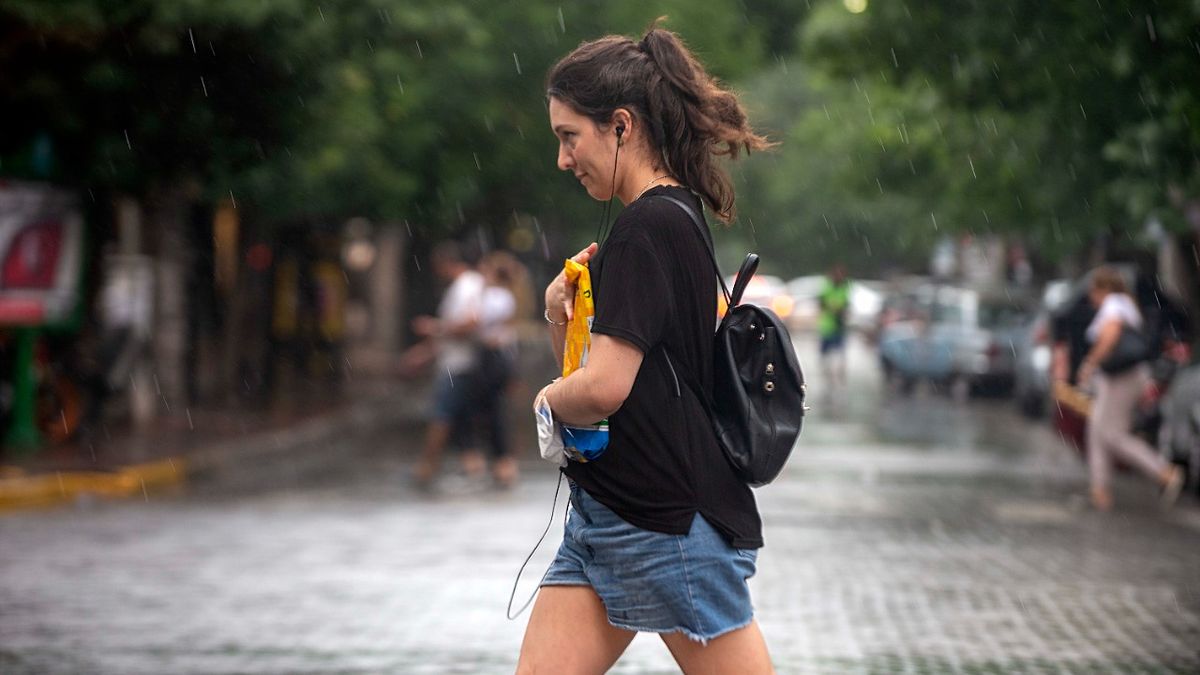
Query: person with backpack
{"x": 662, "y": 533}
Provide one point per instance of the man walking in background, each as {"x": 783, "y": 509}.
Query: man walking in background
{"x": 451, "y": 335}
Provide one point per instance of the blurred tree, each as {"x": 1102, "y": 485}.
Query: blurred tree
{"x": 1102, "y": 98}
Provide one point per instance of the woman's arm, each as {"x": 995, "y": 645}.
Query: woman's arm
{"x": 600, "y": 388}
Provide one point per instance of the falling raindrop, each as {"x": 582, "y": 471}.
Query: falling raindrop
{"x": 934, "y": 218}
{"x": 321, "y": 13}
{"x": 517, "y": 62}
{"x": 1150, "y": 29}
{"x": 562, "y": 24}
{"x": 477, "y": 166}
{"x": 127, "y": 143}
{"x": 193, "y": 39}
{"x": 895, "y": 61}
{"x": 231, "y": 199}
{"x": 972, "y": 163}
{"x": 416, "y": 260}
{"x": 400, "y": 83}
{"x": 420, "y": 54}
{"x": 204, "y": 86}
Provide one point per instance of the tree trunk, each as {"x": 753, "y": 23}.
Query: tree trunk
{"x": 168, "y": 217}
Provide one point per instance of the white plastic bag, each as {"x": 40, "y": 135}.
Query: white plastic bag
{"x": 550, "y": 442}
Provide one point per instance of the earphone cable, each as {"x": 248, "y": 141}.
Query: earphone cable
{"x": 513, "y": 595}
{"x": 603, "y": 229}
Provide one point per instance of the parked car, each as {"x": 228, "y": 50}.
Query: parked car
{"x": 961, "y": 339}
{"x": 866, "y": 301}
{"x": 1034, "y": 352}
{"x": 806, "y": 295}
{"x": 1179, "y": 433}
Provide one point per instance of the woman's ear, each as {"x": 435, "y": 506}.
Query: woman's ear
{"x": 622, "y": 122}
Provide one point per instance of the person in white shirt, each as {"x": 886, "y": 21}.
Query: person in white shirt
{"x": 497, "y": 357}
{"x": 453, "y": 332}
{"x": 1109, "y": 424}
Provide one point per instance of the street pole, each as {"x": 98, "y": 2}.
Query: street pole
{"x": 23, "y": 437}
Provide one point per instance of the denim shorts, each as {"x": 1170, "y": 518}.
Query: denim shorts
{"x": 651, "y": 581}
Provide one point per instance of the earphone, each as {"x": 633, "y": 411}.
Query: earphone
{"x": 620, "y": 130}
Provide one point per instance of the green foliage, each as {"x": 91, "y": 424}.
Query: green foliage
{"x": 1102, "y": 97}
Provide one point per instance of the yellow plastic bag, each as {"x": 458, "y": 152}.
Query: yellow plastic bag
{"x": 587, "y": 443}
{"x": 579, "y": 330}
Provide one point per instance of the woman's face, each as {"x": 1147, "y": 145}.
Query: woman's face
{"x": 584, "y": 149}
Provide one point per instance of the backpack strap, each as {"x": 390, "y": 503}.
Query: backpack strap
{"x": 702, "y": 230}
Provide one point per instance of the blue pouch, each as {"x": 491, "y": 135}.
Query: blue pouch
{"x": 585, "y": 444}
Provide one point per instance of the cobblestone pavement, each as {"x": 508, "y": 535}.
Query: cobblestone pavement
{"x": 917, "y": 537}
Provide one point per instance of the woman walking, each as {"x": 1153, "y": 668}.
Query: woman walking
{"x": 1111, "y": 418}
{"x": 497, "y": 335}
{"x": 662, "y": 536}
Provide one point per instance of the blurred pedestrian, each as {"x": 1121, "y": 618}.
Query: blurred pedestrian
{"x": 451, "y": 337}
{"x": 834, "y": 301}
{"x": 662, "y": 535}
{"x": 1116, "y": 395}
{"x": 497, "y": 336}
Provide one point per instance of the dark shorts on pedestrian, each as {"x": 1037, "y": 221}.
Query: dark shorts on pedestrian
{"x": 655, "y": 582}
{"x": 452, "y": 397}
{"x": 831, "y": 342}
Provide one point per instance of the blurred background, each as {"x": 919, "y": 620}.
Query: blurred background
{"x": 216, "y": 228}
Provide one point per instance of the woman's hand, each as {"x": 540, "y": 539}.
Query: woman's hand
{"x": 1086, "y": 370}
{"x": 560, "y": 295}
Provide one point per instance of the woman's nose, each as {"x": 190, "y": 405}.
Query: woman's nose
{"x": 565, "y": 161}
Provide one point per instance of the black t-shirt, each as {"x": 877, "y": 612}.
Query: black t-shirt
{"x": 654, "y": 286}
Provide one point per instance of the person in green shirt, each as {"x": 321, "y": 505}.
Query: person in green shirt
{"x": 831, "y": 326}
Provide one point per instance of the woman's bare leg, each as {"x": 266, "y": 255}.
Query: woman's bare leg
{"x": 569, "y": 634}
{"x": 741, "y": 651}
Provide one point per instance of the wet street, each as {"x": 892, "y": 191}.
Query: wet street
{"x": 912, "y": 535}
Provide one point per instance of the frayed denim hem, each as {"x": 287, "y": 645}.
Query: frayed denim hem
{"x": 691, "y": 635}
{"x": 694, "y": 637}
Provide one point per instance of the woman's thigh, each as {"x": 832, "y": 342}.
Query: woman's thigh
{"x": 739, "y": 651}
{"x": 569, "y": 633}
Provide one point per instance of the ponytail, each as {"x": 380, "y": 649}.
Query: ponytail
{"x": 692, "y": 119}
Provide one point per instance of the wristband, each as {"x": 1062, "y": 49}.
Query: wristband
{"x": 550, "y": 321}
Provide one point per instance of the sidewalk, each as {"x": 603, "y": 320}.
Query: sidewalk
{"x": 205, "y": 443}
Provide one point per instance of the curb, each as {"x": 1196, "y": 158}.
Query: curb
{"x": 23, "y": 492}
{"x": 20, "y": 491}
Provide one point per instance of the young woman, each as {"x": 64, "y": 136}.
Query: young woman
{"x": 497, "y": 335}
{"x": 662, "y": 535}
{"x": 1109, "y": 424}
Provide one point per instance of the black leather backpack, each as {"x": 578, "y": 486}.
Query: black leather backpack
{"x": 757, "y": 402}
